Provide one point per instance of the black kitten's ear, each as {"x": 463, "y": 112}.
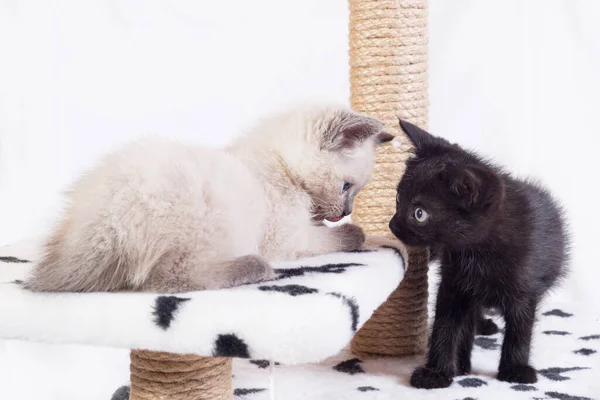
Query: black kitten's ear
{"x": 351, "y": 129}
{"x": 477, "y": 187}
{"x": 419, "y": 138}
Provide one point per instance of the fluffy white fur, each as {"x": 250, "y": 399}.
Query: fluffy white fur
{"x": 164, "y": 216}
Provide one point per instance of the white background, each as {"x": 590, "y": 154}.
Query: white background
{"x": 516, "y": 80}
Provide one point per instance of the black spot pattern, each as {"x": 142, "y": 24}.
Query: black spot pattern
{"x": 351, "y": 366}
{"x": 523, "y": 388}
{"x": 591, "y": 337}
{"x": 262, "y": 364}
{"x": 395, "y": 250}
{"x": 285, "y": 273}
{"x": 367, "y": 389}
{"x": 11, "y": 259}
{"x": 229, "y": 345}
{"x": 165, "y": 308}
{"x": 122, "y": 393}
{"x": 243, "y": 392}
{"x": 559, "y": 333}
{"x": 351, "y": 303}
{"x": 487, "y": 343}
{"x": 292, "y": 290}
{"x": 584, "y": 351}
{"x": 555, "y": 373}
{"x": 563, "y": 396}
{"x": 558, "y": 313}
{"x": 472, "y": 382}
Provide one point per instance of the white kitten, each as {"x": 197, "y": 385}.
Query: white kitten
{"x": 162, "y": 216}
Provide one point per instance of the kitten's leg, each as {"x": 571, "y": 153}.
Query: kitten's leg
{"x": 485, "y": 326}
{"x": 450, "y": 312}
{"x": 465, "y": 344}
{"x": 184, "y": 273}
{"x": 323, "y": 239}
{"x": 514, "y": 362}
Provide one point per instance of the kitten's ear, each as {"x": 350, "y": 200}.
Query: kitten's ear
{"x": 383, "y": 137}
{"x": 476, "y": 187}
{"x": 419, "y": 138}
{"x": 351, "y": 129}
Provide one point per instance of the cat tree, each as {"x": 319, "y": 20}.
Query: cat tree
{"x": 182, "y": 346}
{"x": 388, "y": 80}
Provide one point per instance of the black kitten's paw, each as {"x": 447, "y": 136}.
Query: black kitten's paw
{"x": 426, "y": 378}
{"x": 518, "y": 374}
{"x": 487, "y": 327}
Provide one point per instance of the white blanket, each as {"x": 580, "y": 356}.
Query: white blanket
{"x": 566, "y": 354}
{"x": 306, "y": 315}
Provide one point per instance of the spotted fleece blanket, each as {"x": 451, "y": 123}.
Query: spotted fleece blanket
{"x": 308, "y": 313}
{"x": 566, "y": 354}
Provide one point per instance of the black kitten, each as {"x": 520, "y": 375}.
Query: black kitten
{"x": 502, "y": 244}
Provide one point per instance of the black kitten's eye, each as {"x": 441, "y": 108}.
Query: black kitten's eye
{"x": 347, "y": 185}
{"x": 398, "y": 198}
{"x": 421, "y": 215}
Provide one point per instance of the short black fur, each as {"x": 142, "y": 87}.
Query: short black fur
{"x": 502, "y": 243}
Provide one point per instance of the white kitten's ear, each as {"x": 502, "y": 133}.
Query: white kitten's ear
{"x": 383, "y": 137}
{"x": 350, "y": 129}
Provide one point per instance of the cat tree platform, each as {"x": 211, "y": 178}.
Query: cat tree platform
{"x": 182, "y": 345}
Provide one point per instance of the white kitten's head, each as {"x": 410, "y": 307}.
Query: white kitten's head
{"x": 339, "y": 158}
{"x": 330, "y": 152}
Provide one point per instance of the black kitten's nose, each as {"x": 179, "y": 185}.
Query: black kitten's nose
{"x": 392, "y": 225}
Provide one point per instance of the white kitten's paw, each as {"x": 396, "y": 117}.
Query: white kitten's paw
{"x": 250, "y": 269}
{"x": 350, "y": 237}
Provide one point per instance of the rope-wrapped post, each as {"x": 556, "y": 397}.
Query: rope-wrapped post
{"x": 159, "y": 376}
{"x": 388, "y": 79}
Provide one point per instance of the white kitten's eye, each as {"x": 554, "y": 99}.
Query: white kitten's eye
{"x": 421, "y": 215}
{"x": 347, "y": 185}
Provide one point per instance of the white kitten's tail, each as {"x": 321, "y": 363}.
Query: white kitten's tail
{"x": 100, "y": 264}
{"x": 91, "y": 263}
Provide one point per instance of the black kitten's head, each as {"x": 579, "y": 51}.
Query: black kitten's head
{"x": 447, "y": 195}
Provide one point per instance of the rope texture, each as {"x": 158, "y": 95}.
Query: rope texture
{"x": 388, "y": 79}
{"x": 399, "y": 326}
{"x": 156, "y": 375}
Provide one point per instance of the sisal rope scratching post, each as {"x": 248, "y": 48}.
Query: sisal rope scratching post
{"x": 159, "y": 376}
{"x": 388, "y": 79}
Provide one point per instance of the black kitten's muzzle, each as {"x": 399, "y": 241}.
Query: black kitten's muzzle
{"x": 396, "y": 227}
{"x": 403, "y": 234}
